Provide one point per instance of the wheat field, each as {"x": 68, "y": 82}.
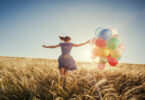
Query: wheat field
{"x": 39, "y": 79}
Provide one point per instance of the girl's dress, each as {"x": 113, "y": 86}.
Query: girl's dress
{"x": 66, "y": 60}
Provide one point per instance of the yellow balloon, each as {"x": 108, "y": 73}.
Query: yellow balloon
{"x": 117, "y": 53}
{"x": 93, "y": 46}
{"x": 96, "y": 60}
{"x": 103, "y": 52}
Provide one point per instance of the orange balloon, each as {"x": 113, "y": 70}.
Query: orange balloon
{"x": 94, "y": 52}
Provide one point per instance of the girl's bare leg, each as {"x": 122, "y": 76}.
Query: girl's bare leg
{"x": 62, "y": 78}
{"x": 65, "y": 71}
{"x": 61, "y": 71}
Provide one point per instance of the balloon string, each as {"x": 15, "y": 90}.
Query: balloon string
{"x": 104, "y": 76}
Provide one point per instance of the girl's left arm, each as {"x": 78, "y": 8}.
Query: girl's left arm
{"x": 78, "y": 45}
{"x": 54, "y": 46}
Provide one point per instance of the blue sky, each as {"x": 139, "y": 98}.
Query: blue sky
{"x": 27, "y": 24}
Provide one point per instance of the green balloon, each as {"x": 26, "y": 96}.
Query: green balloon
{"x": 112, "y": 43}
{"x": 103, "y": 60}
{"x": 119, "y": 58}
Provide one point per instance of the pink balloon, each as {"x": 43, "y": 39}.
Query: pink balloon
{"x": 101, "y": 66}
{"x": 122, "y": 47}
{"x": 100, "y": 43}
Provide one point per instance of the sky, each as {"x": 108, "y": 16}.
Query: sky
{"x": 25, "y": 25}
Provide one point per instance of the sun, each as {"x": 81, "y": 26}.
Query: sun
{"x": 87, "y": 54}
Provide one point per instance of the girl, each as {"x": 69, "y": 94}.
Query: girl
{"x": 66, "y": 61}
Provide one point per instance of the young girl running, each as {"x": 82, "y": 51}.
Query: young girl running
{"x": 66, "y": 61}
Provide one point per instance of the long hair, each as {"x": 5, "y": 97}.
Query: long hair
{"x": 65, "y": 39}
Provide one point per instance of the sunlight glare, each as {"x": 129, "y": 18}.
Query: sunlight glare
{"x": 87, "y": 54}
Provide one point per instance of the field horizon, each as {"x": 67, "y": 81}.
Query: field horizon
{"x": 56, "y": 59}
{"x": 39, "y": 79}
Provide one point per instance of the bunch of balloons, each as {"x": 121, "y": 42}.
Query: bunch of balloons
{"x": 106, "y": 47}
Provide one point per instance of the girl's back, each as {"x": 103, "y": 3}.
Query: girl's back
{"x": 66, "y": 48}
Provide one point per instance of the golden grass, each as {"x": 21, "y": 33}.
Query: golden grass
{"x": 39, "y": 79}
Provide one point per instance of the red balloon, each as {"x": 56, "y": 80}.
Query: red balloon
{"x": 101, "y": 66}
{"x": 112, "y": 61}
{"x": 100, "y": 43}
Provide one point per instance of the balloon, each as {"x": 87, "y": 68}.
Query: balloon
{"x": 105, "y": 34}
{"x": 112, "y": 61}
{"x": 98, "y": 30}
{"x": 112, "y": 43}
{"x": 106, "y": 47}
{"x": 103, "y": 60}
{"x": 94, "y": 52}
{"x": 103, "y": 52}
{"x": 117, "y": 53}
{"x": 96, "y": 59}
{"x": 114, "y": 31}
{"x": 101, "y": 66}
{"x": 100, "y": 43}
{"x": 118, "y": 37}
{"x": 121, "y": 47}
{"x": 119, "y": 58}
{"x": 93, "y": 46}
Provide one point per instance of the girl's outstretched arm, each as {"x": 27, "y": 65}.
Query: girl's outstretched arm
{"x": 78, "y": 45}
{"x": 54, "y": 46}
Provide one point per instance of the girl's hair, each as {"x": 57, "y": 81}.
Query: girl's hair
{"x": 65, "y": 39}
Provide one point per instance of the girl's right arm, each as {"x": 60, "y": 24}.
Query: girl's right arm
{"x": 54, "y": 46}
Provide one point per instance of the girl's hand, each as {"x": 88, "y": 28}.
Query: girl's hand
{"x": 53, "y": 46}
{"x": 43, "y": 46}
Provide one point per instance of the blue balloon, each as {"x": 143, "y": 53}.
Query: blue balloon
{"x": 105, "y": 34}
